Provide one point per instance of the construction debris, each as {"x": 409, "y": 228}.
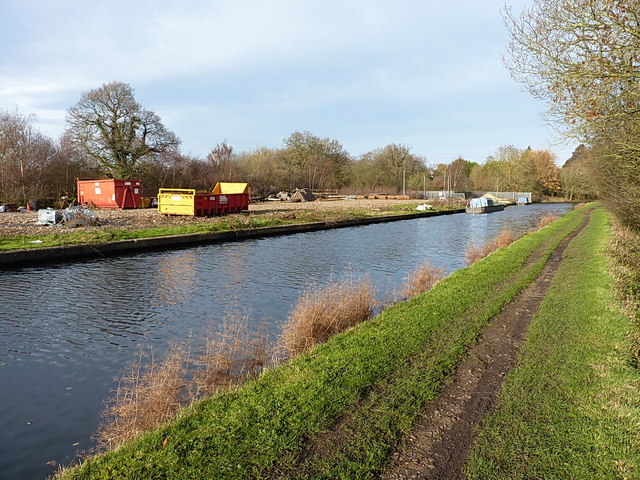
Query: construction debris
{"x": 302, "y": 195}
{"x": 74, "y": 216}
{"x": 49, "y": 216}
{"x": 298, "y": 195}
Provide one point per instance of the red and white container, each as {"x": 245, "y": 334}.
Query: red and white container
{"x": 110, "y": 192}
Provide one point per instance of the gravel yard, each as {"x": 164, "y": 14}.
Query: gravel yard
{"x": 25, "y": 223}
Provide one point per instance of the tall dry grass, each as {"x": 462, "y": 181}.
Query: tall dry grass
{"x": 321, "y": 313}
{"x": 148, "y": 394}
{"x": 152, "y": 390}
{"x": 546, "y": 220}
{"x": 230, "y": 355}
{"x": 422, "y": 279}
{"x": 504, "y": 238}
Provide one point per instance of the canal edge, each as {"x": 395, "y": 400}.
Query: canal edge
{"x": 38, "y": 256}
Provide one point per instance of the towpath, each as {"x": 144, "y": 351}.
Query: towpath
{"x": 440, "y": 442}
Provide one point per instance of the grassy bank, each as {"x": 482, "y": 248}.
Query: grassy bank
{"x": 60, "y": 236}
{"x": 84, "y": 237}
{"x": 335, "y": 411}
{"x": 570, "y": 409}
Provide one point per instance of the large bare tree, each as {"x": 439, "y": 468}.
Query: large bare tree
{"x": 109, "y": 125}
{"x": 314, "y": 161}
{"x": 583, "y": 58}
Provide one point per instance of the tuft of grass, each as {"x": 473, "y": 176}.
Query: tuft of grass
{"x": 421, "y": 280}
{"x": 546, "y": 220}
{"x": 570, "y": 409}
{"x": 322, "y": 312}
{"x": 504, "y": 238}
{"x": 151, "y": 391}
{"x": 230, "y": 355}
{"x": 149, "y": 394}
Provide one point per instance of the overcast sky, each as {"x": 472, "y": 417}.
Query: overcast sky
{"x": 427, "y": 74}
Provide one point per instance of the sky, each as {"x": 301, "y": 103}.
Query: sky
{"x": 426, "y": 74}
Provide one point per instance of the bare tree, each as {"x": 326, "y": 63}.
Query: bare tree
{"x": 24, "y": 156}
{"x": 222, "y": 152}
{"x": 582, "y": 56}
{"x": 314, "y": 161}
{"x": 110, "y": 126}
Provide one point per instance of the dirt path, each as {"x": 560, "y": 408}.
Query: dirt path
{"x": 441, "y": 440}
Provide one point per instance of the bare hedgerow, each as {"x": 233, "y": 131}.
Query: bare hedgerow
{"x": 505, "y": 238}
{"x": 624, "y": 251}
{"x": 323, "y": 312}
{"x": 148, "y": 394}
{"x": 422, "y": 279}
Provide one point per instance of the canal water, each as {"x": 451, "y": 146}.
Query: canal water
{"x": 66, "y": 331}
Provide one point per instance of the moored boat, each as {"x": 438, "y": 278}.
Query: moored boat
{"x": 483, "y": 205}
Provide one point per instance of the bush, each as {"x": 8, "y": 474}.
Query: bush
{"x": 321, "y": 313}
{"x": 422, "y": 279}
{"x": 503, "y": 239}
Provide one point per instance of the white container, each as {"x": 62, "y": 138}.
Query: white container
{"x": 49, "y": 216}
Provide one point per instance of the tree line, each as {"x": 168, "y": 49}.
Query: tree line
{"x": 109, "y": 134}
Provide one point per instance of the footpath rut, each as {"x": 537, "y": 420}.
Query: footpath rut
{"x": 439, "y": 444}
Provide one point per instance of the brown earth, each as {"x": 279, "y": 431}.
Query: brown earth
{"x": 440, "y": 442}
{"x": 25, "y": 223}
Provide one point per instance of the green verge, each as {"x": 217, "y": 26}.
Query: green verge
{"x": 570, "y": 409}
{"x": 379, "y": 373}
{"x": 65, "y": 237}
{"x": 62, "y": 238}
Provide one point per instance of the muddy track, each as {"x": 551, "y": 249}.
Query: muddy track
{"x": 439, "y": 445}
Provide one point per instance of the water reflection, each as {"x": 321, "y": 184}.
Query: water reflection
{"x": 66, "y": 331}
{"x": 174, "y": 278}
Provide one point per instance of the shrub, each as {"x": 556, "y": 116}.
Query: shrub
{"x": 546, "y": 220}
{"x": 321, "y": 313}
{"x": 148, "y": 394}
{"x": 503, "y": 239}
{"x": 422, "y": 279}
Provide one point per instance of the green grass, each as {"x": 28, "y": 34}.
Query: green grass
{"x": 570, "y": 409}
{"x": 375, "y": 377}
{"x": 63, "y": 238}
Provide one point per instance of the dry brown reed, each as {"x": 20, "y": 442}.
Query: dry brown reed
{"x": 149, "y": 394}
{"x": 151, "y": 391}
{"x": 321, "y": 313}
{"x": 546, "y": 220}
{"x": 504, "y": 238}
{"x": 422, "y": 279}
{"x": 231, "y": 354}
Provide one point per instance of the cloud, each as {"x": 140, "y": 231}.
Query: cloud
{"x": 257, "y": 70}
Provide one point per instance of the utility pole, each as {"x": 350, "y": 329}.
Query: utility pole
{"x": 404, "y": 180}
